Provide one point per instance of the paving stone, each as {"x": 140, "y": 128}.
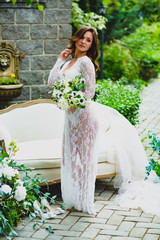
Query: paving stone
{"x": 126, "y": 226}
{"x": 133, "y": 213}
{"x": 21, "y": 238}
{"x": 100, "y": 202}
{"x": 138, "y": 219}
{"x": 54, "y": 237}
{"x": 103, "y": 237}
{"x": 156, "y": 219}
{"x": 125, "y": 238}
{"x": 79, "y": 226}
{"x": 116, "y": 208}
{"x": 74, "y": 238}
{"x": 92, "y": 220}
{"x": 105, "y": 213}
{"x": 103, "y": 226}
{"x": 156, "y": 231}
{"x": 114, "y": 233}
{"x": 80, "y": 214}
{"x": 41, "y": 234}
{"x": 90, "y": 233}
{"x": 107, "y": 194}
{"x": 67, "y": 233}
{"x": 70, "y": 220}
{"x": 57, "y": 226}
{"x": 98, "y": 207}
{"x": 115, "y": 219}
{"x": 24, "y": 233}
{"x": 151, "y": 237}
{"x": 138, "y": 232}
{"x": 148, "y": 225}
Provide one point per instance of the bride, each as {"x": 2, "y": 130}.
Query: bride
{"x": 82, "y": 129}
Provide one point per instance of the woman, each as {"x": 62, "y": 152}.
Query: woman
{"x": 79, "y": 160}
{"x": 124, "y": 148}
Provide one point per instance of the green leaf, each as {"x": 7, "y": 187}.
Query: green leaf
{"x": 14, "y": 2}
{"x": 41, "y": 8}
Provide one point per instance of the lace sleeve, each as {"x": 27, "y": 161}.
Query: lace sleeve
{"x": 88, "y": 72}
{"x": 54, "y": 73}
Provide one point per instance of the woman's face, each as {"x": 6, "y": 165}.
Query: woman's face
{"x": 85, "y": 42}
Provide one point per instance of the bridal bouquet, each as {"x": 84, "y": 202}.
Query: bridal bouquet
{"x": 68, "y": 93}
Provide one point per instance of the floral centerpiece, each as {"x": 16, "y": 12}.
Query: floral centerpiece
{"x": 19, "y": 198}
{"x": 153, "y": 169}
{"x": 68, "y": 93}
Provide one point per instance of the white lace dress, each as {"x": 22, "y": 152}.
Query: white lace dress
{"x": 118, "y": 138}
{"x": 79, "y": 160}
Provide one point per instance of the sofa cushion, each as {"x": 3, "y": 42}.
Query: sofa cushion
{"x": 47, "y": 153}
{"x": 40, "y": 153}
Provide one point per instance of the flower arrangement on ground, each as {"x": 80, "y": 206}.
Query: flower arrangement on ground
{"x": 153, "y": 169}
{"x": 20, "y": 197}
{"x": 68, "y": 93}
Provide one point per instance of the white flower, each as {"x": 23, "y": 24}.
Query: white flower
{"x": 63, "y": 104}
{"x": 10, "y": 172}
{"x": 19, "y": 182}
{"x": 20, "y": 193}
{"x": 67, "y": 89}
{"x": 6, "y": 189}
{"x": 153, "y": 177}
{"x": 1, "y": 172}
{"x": 82, "y": 80}
{"x": 66, "y": 83}
{"x": 56, "y": 92}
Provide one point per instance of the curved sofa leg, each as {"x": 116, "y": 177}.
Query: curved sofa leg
{"x": 2, "y": 145}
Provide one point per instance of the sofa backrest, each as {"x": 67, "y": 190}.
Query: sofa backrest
{"x": 37, "y": 119}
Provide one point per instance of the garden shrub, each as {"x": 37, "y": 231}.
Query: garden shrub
{"x": 123, "y": 98}
{"x": 144, "y": 46}
{"x": 118, "y": 62}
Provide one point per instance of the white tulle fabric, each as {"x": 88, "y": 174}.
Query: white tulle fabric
{"x": 79, "y": 160}
{"x": 82, "y": 131}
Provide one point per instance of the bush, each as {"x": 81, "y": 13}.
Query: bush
{"x": 144, "y": 45}
{"x": 125, "y": 99}
{"x": 118, "y": 62}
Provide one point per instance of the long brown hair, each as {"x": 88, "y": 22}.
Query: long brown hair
{"x": 92, "y": 53}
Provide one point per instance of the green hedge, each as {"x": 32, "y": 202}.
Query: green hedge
{"x": 124, "y": 98}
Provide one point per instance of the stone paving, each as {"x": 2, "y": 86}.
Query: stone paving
{"x": 111, "y": 222}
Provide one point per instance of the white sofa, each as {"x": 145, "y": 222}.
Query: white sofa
{"x": 37, "y": 127}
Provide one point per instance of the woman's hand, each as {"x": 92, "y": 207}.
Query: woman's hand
{"x": 65, "y": 54}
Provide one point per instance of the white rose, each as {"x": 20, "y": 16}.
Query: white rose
{"x": 19, "y": 182}
{"x": 10, "y": 172}
{"x": 1, "y": 171}
{"x": 63, "y": 104}
{"x": 20, "y": 193}
{"x": 6, "y": 189}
